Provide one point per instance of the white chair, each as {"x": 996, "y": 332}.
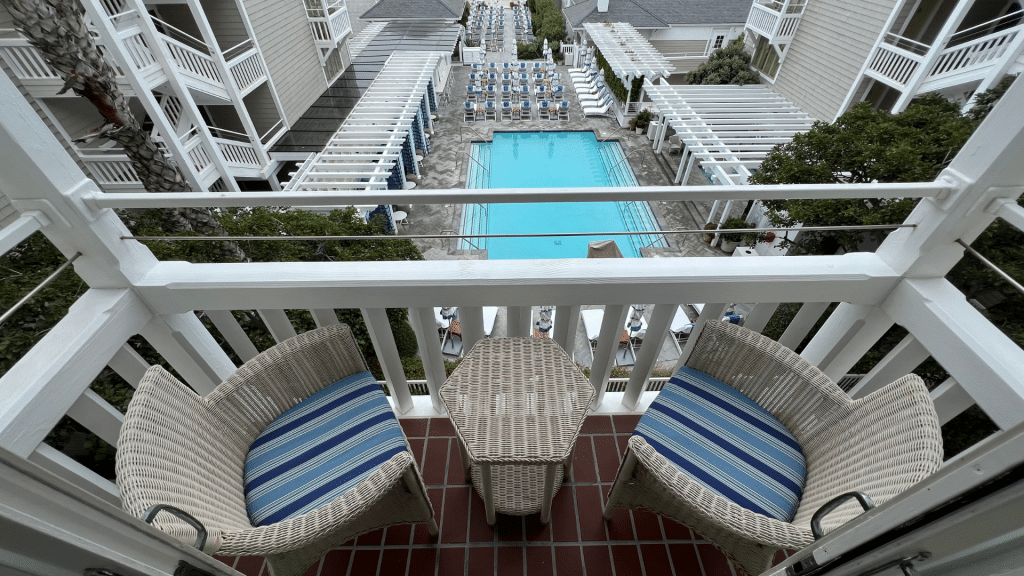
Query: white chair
{"x": 599, "y": 110}
{"x": 506, "y": 110}
{"x": 674, "y": 143}
{"x": 563, "y": 110}
{"x": 470, "y": 111}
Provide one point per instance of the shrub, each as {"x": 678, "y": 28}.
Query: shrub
{"x": 727, "y": 65}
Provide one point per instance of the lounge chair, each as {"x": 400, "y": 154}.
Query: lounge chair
{"x": 680, "y": 327}
{"x": 591, "y": 100}
{"x": 674, "y": 143}
{"x": 470, "y": 111}
{"x": 506, "y": 78}
{"x": 558, "y": 92}
{"x": 542, "y": 91}
{"x": 527, "y": 110}
{"x": 506, "y": 93}
{"x": 538, "y": 79}
{"x": 506, "y": 110}
{"x": 233, "y": 460}
{"x": 524, "y": 92}
{"x": 491, "y": 93}
{"x": 563, "y": 110}
{"x": 536, "y": 66}
{"x": 490, "y": 110}
{"x": 811, "y": 444}
{"x": 600, "y": 110}
{"x": 543, "y": 110}
{"x": 471, "y": 92}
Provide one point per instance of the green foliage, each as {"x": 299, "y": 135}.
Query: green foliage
{"x": 465, "y": 15}
{"x": 727, "y": 65}
{"x": 861, "y": 146}
{"x": 413, "y": 366}
{"x": 615, "y": 84}
{"x": 641, "y": 120}
{"x": 984, "y": 101}
{"x": 548, "y": 22}
{"x": 734, "y": 224}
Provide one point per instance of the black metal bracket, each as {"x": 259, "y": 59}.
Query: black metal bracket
{"x": 865, "y": 501}
{"x": 149, "y": 515}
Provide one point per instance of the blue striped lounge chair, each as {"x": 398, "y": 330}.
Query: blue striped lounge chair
{"x": 563, "y": 110}
{"x": 490, "y": 110}
{"x": 244, "y": 462}
{"x": 506, "y": 110}
{"x": 558, "y": 92}
{"x": 527, "y": 110}
{"x": 734, "y": 447}
{"x": 506, "y": 93}
{"x": 469, "y": 111}
{"x": 471, "y": 92}
{"x": 544, "y": 110}
{"x": 522, "y": 67}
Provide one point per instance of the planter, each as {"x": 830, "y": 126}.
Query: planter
{"x": 729, "y": 246}
{"x": 639, "y": 130}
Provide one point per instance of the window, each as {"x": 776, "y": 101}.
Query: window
{"x": 719, "y": 41}
{"x": 766, "y": 58}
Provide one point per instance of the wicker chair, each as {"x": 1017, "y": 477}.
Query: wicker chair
{"x": 880, "y": 445}
{"x": 190, "y": 452}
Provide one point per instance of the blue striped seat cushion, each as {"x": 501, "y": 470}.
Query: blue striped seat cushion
{"x": 727, "y": 443}
{"x": 319, "y": 449}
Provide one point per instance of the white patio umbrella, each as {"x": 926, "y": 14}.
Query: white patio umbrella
{"x": 449, "y": 312}
{"x": 636, "y": 318}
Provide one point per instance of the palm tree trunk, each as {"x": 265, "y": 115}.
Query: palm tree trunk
{"x": 57, "y": 28}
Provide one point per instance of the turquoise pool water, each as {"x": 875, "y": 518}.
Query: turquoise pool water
{"x": 552, "y": 160}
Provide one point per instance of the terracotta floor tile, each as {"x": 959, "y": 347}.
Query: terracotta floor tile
{"x": 479, "y": 530}
{"x": 625, "y": 423}
{"x": 780, "y": 556}
{"x": 606, "y": 452}
{"x": 452, "y": 562}
{"x": 684, "y": 558}
{"x": 655, "y": 557}
{"x": 417, "y": 445}
{"x": 588, "y": 505}
{"x": 627, "y": 560}
{"x": 422, "y": 562}
{"x": 534, "y": 530}
{"x": 508, "y": 528}
{"x": 539, "y": 561}
{"x": 229, "y": 560}
{"x": 414, "y": 427}
{"x": 597, "y": 425}
{"x": 420, "y": 533}
{"x": 315, "y": 568}
{"x": 364, "y": 563}
{"x": 456, "y": 475}
{"x": 597, "y": 560}
{"x": 715, "y": 563}
{"x": 622, "y": 440}
{"x": 620, "y": 527}
{"x": 647, "y": 526}
{"x": 583, "y": 467}
{"x": 510, "y": 561}
{"x": 563, "y": 516}
{"x": 336, "y": 563}
{"x": 371, "y": 538}
{"x": 456, "y": 515}
{"x": 676, "y": 531}
{"x": 250, "y": 565}
{"x": 568, "y": 561}
{"x": 435, "y": 462}
{"x": 393, "y": 561}
{"x": 441, "y": 427}
{"x": 481, "y": 561}
{"x": 398, "y": 535}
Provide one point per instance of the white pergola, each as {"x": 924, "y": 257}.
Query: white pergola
{"x": 727, "y": 129}
{"x": 376, "y": 145}
{"x": 628, "y": 53}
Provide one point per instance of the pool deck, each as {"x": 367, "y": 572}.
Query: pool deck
{"x": 445, "y": 167}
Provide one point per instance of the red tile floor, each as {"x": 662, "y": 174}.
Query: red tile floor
{"x": 577, "y": 541}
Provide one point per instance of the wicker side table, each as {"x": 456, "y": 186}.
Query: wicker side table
{"x": 517, "y": 405}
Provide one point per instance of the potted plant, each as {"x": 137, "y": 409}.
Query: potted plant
{"x": 709, "y": 235}
{"x": 641, "y": 120}
{"x": 730, "y": 241}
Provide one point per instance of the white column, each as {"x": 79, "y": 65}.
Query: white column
{"x": 188, "y": 346}
{"x": 607, "y": 346}
{"x": 98, "y": 416}
{"x": 379, "y": 327}
{"x": 519, "y": 321}
{"x": 845, "y": 337}
{"x": 56, "y": 462}
{"x": 710, "y": 312}
{"x": 278, "y": 323}
{"x": 324, "y": 317}
{"x": 760, "y": 316}
{"x": 129, "y": 365}
{"x": 899, "y": 362}
{"x": 953, "y": 21}
{"x": 802, "y": 323}
{"x": 661, "y": 320}
{"x": 424, "y": 324}
{"x": 471, "y": 318}
{"x": 233, "y": 334}
{"x": 567, "y": 321}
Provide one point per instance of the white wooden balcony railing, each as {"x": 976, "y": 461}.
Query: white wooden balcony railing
{"x": 112, "y": 171}
{"x": 893, "y": 65}
{"x": 247, "y": 69}
{"x": 329, "y": 23}
{"x": 972, "y": 60}
{"x": 776, "y": 20}
{"x": 131, "y": 293}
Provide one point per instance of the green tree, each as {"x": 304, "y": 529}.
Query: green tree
{"x": 861, "y": 146}
{"x": 727, "y": 65}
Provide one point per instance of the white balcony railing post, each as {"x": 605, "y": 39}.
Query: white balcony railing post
{"x": 379, "y": 327}
{"x": 657, "y": 331}
{"x": 518, "y": 321}
{"x": 567, "y": 321}
{"x": 711, "y": 311}
{"x": 802, "y": 323}
{"x": 189, "y": 347}
{"x": 760, "y": 315}
{"x": 425, "y": 327}
{"x": 471, "y": 318}
{"x": 607, "y": 345}
{"x": 850, "y": 331}
{"x": 233, "y": 334}
{"x": 278, "y": 323}
{"x": 902, "y": 359}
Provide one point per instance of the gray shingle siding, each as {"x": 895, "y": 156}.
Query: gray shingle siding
{"x": 831, "y": 45}
{"x": 286, "y": 42}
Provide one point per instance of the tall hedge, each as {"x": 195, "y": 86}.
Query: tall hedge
{"x": 615, "y": 84}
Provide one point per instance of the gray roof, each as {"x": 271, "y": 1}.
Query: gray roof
{"x": 449, "y": 10}
{"x": 660, "y": 13}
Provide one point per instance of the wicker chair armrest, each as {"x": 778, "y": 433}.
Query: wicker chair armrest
{"x": 713, "y": 509}
{"x": 284, "y": 375}
{"x": 889, "y": 442}
{"x": 313, "y": 526}
{"x": 773, "y": 376}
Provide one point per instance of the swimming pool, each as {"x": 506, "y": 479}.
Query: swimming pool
{"x": 552, "y": 160}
